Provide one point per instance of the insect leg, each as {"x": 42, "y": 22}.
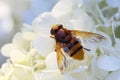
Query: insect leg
{"x": 86, "y": 49}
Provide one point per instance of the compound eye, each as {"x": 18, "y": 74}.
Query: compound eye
{"x": 59, "y": 26}
{"x": 55, "y": 28}
{"x": 52, "y": 31}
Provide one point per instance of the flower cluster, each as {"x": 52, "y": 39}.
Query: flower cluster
{"x": 32, "y": 56}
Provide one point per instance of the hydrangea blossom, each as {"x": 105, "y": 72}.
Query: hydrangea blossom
{"x": 10, "y": 20}
{"x": 32, "y": 52}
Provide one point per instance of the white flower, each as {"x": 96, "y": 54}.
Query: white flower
{"x": 22, "y": 74}
{"x": 114, "y": 75}
{"x": 10, "y": 12}
{"x": 60, "y": 9}
{"x": 43, "y": 22}
{"x": 32, "y": 51}
{"x": 9, "y": 71}
{"x": 100, "y": 74}
{"x": 6, "y": 49}
{"x": 3, "y": 78}
{"x": 51, "y": 61}
{"x": 110, "y": 60}
{"x": 6, "y": 71}
{"x": 79, "y": 23}
{"x": 75, "y": 67}
{"x": 45, "y": 46}
{"x": 18, "y": 42}
{"x": 109, "y": 63}
{"x": 20, "y": 46}
{"x": 115, "y": 50}
{"x": 17, "y": 56}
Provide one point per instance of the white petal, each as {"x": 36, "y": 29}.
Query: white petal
{"x": 62, "y": 8}
{"x": 55, "y": 76}
{"x": 3, "y": 78}
{"x": 117, "y": 45}
{"x": 101, "y": 74}
{"x": 93, "y": 65}
{"x": 106, "y": 43}
{"x": 50, "y": 76}
{"x": 78, "y": 66}
{"x": 114, "y": 75}
{"x": 113, "y": 3}
{"x": 43, "y": 23}
{"x": 80, "y": 23}
{"x": 51, "y": 61}
{"x": 80, "y": 69}
{"x": 108, "y": 63}
{"x": 5, "y": 68}
{"x": 22, "y": 74}
{"x": 78, "y": 11}
{"x": 20, "y": 41}
{"x": 6, "y": 49}
{"x": 44, "y": 45}
{"x": 67, "y": 76}
{"x": 17, "y": 56}
{"x": 29, "y": 35}
{"x": 115, "y": 52}
{"x": 116, "y": 49}
{"x": 83, "y": 75}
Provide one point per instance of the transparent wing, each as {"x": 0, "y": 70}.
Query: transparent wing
{"x": 88, "y": 36}
{"x": 61, "y": 58}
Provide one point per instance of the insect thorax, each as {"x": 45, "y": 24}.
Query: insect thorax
{"x": 63, "y": 36}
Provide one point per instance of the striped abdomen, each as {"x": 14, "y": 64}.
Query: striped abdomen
{"x": 74, "y": 49}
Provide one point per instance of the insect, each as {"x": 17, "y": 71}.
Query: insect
{"x": 71, "y": 45}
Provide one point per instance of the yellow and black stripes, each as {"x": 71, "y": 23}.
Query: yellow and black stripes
{"x": 79, "y": 48}
{"x": 74, "y": 49}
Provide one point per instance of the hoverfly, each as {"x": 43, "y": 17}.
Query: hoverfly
{"x": 71, "y": 45}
